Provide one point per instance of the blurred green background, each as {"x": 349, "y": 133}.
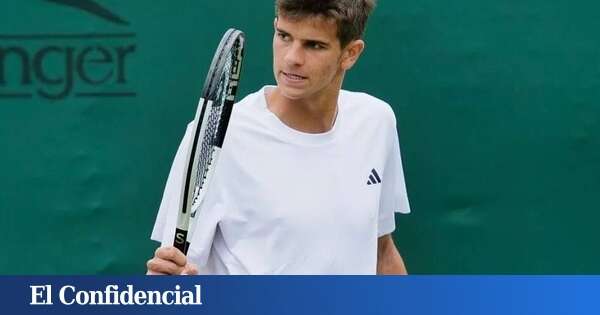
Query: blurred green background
{"x": 496, "y": 102}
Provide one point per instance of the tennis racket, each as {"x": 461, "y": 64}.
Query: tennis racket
{"x": 210, "y": 126}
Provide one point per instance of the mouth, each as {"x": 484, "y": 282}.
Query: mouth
{"x": 293, "y": 77}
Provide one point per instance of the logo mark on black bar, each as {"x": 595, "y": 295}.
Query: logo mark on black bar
{"x": 93, "y": 8}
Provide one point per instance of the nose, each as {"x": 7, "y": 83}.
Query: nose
{"x": 294, "y": 55}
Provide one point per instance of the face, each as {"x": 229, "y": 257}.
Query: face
{"x": 308, "y": 60}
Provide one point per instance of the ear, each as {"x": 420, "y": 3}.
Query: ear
{"x": 351, "y": 53}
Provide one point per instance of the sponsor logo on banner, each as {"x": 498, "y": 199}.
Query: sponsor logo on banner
{"x": 57, "y": 65}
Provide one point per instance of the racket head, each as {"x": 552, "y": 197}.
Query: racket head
{"x": 210, "y": 126}
{"x": 232, "y": 40}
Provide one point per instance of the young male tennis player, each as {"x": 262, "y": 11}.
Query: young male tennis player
{"x": 309, "y": 176}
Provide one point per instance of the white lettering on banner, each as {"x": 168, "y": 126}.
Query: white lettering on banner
{"x": 111, "y": 295}
{"x": 44, "y": 292}
{"x": 61, "y": 295}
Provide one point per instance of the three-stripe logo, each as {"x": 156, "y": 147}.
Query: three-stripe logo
{"x": 374, "y": 178}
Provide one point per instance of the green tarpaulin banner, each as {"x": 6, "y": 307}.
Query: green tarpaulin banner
{"x": 497, "y": 106}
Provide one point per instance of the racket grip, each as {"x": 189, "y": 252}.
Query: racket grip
{"x": 180, "y": 241}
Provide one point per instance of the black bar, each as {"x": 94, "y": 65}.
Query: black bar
{"x": 180, "y": 242}
{"x": 67, "y": 36}
{"x": 16, "y": 95}
{"x": 106, "y": 94}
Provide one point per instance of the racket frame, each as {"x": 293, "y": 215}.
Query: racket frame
{"x": 232, "y": 39}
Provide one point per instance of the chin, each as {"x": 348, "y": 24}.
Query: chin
{"x": 291, "y": 93}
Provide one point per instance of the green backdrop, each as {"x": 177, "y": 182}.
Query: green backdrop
{"x": 497, "y": 107}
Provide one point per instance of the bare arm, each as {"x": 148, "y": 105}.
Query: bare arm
{"x": 389, "y": 260}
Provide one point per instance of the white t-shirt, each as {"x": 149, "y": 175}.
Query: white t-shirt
{"x": 288, "y": 202}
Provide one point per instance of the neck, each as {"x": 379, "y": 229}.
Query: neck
{"x": 315, "y": 114}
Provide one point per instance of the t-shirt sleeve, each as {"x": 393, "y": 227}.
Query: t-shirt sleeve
{"x": 393, "y": 191}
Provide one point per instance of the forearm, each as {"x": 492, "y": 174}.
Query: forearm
{"x": 389, "y": 260}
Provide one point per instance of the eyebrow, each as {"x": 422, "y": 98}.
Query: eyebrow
{"x": 308, "y": 41}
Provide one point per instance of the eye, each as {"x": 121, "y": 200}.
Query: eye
{"x": 283, "y": 36}
{"x": 315, "y": 46}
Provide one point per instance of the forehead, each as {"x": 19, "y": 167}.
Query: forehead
{"x": 309, "y": 28}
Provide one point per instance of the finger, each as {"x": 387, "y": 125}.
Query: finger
{"x": 190, "y": 269}
{"x": 172, "y": 254}
{"x": 158, "y": 265}
{"x": 154, "y": 273}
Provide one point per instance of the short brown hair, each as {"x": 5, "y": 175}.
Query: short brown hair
{"x": 350, "y": 15}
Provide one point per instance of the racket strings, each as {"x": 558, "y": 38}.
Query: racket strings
{"x": 216, "y": 110}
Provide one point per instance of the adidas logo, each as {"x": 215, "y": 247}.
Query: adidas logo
{"x": 374, "y": 178}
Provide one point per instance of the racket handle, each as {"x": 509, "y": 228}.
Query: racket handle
{"x": 180, "y": 241}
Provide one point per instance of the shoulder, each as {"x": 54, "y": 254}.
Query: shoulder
{"x": 249, "y": 106}
{"x": 242, "y": 109}
{"x": 250, "y": 98}
{"x": 367, "y": 106}
{"x": 249, "y": 114}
